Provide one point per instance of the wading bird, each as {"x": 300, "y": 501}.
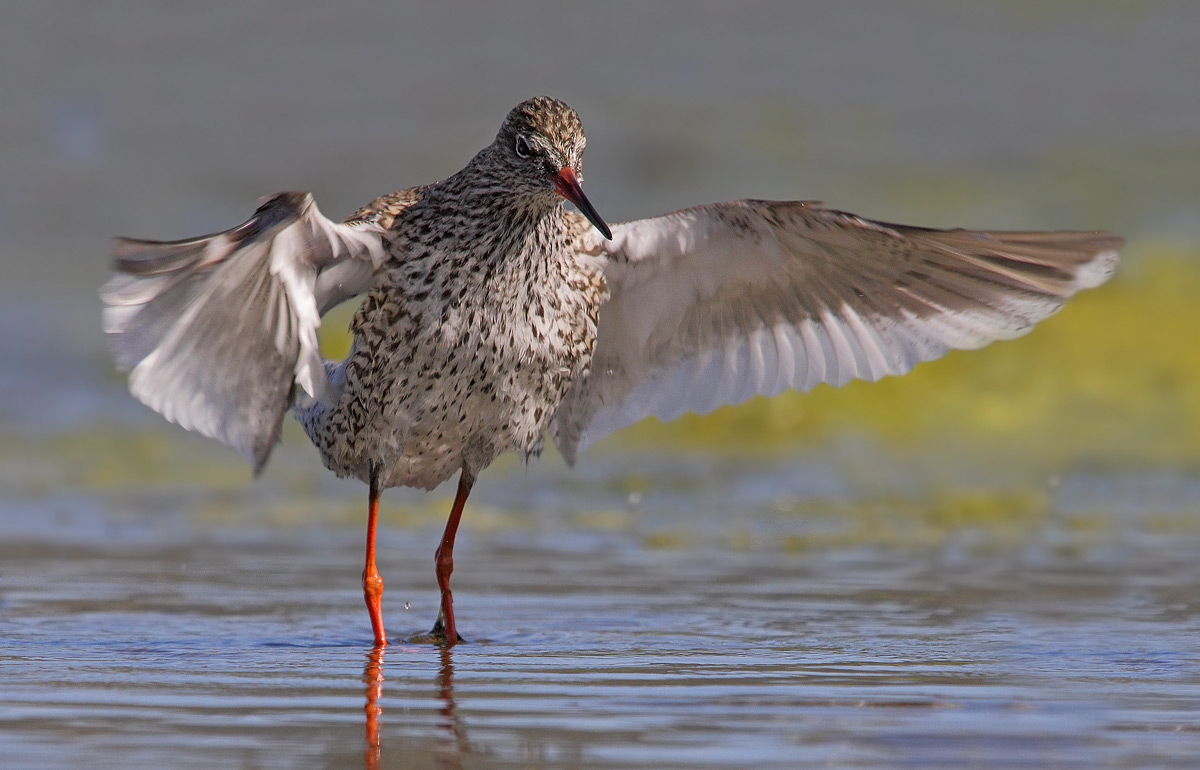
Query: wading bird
{"x": 492, "y": 315}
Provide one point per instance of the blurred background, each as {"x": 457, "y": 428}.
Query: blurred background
{"x": 164, "y": 121}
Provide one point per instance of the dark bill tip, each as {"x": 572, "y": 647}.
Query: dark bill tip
{"x": 567, "y": 185}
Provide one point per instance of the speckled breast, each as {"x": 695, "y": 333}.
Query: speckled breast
{"x": 458, "y": 361}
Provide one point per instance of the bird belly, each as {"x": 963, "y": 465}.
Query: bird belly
{"x": 434, "y": 390}
{"x": 467, "y": 406}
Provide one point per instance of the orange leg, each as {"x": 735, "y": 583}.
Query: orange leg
{"x": 445, "y": 628}
{"x": 372, "y": 583}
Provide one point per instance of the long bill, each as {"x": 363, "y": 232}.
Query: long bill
{"x": 567, "y": 185}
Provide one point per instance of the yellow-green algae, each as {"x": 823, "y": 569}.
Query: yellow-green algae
{"x": 905, "y": 521}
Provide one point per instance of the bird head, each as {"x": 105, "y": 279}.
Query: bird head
{"x": 542, "y": 140}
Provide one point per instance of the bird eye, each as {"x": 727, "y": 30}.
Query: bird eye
{"x": 523, "y": 147}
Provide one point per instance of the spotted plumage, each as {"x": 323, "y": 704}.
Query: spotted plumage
{"x": 441, "y": 376}
{"x": 493, "y": 316}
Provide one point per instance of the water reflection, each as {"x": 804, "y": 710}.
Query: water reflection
{"x": 452, "y": 743}
{"x": 373, "y": 679}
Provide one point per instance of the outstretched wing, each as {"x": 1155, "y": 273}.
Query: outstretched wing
{"x": 714, "y": 304}
{"x": 216, "y": 330}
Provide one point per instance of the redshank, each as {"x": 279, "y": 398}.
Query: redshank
{"x": 492, "y": 315}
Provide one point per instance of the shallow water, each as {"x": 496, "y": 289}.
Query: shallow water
{"x": 611, "y": 638}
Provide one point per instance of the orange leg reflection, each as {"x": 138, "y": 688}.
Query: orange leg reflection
{"x": 455, "y": 743}
{"x": 373, "y": 679}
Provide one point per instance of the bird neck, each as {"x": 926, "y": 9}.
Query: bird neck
{"x": 488, "y": 208}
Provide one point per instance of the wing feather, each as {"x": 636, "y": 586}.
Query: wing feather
{"x": 216, "y": 330}
{"x": 715, "y": 304}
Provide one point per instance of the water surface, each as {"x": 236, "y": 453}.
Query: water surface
{"x": 613, "y": 638}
